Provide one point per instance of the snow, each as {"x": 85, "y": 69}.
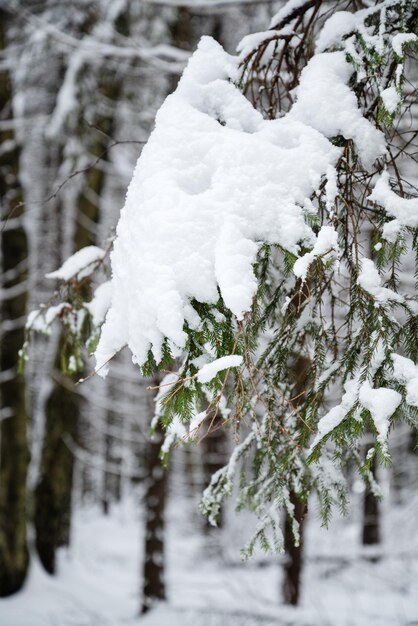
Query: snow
{"x": 391, "y": 99}
{"x": 176, "y": 430}
{"x": 335, "y": 28}
{"x": 99, "y": 578}
{"x": 400, "y": 39}
{"x": 406, "y": 372}
{"x": 382, "y": 403}
{"x": 215, "y": 180}
{"x": 405, "y": 211}
{"x": 326, "y": 242}
{"x": 196, "y": 422}
{"x": 285, "y": 11}
{"x": 100, "y": 303}
{"x": 252, "y": 41}
{"x": 331, "y": 189}
{"x": 209, "y": 371}
{"x": 78, "y": 264}
{"x": 165, "y": 386}
{"x": 326, "y": 102}
{"x": 370, "y": 280}
{"x": 342, "y": 23}
{"x": 338, "y": 413}
{"x": 40, "y": 320}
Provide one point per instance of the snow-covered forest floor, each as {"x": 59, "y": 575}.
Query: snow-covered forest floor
{"x": 208, "y": 585}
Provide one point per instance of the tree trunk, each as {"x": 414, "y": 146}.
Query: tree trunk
{"x": 14, "y": 455}
{"x": 371, "y": 526}
{"x": 294, "y": 554}
{"x": 214, "y": 447}
{"x": 155, "y": 500}
{"x": 53, "y": 493}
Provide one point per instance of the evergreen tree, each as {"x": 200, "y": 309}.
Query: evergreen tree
{"x": 286, "y": 283}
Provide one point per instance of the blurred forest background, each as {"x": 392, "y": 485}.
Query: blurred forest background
{"x": 92, "y": 531}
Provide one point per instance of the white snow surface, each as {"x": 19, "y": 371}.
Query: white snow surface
{"x": 252, "y": 41}
{"x": 285, "y": 11}
{"x": 404, "y": 210}
{"x": 406, "y": 372}
{"x": 209, "y": 371}
{"x": 78, "y": 264}
{"x": 400, "y": 39}
{"x": 325, "y": 102}
{"x": 390, "y": 98}
{"x": 99, "y": 577}
{"x": 370, "y": 280}
{"x": 338, "y": 413}
{"x": 335, "y": 28}
{"x": 196, "y": 422}
{"x": 326, "y": 243}
{"x": 100, "y": 303}
{"x": 214, "y": 181}
{"x": 40, "y": 320}
{"x": 382, "y": 403}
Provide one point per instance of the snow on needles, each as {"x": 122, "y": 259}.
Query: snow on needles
{"x": 79, "y": 264}
{"x": 370, "y": 280}
{"x": 209, "y": 371}
{"x": 404, "y": 210}
{"x": 214, "y": 181}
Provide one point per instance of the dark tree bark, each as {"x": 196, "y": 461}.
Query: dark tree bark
{"x": 52, "y": 516}
{"x": 291, "y": 587}
{"x": 14, "y": 455}
{"x": 294, "y": 554}
{"x": 371, "y": 525}
{"x": 111, "y": 487}
{"x": 371, "y": 529}
{"x": 214, "y": 448}
{"x": 153, "y": 590}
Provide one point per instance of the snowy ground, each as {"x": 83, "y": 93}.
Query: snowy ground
{"x": 99, "y": 579}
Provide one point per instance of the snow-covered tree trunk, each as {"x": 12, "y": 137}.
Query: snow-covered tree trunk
{"x": 14, "y": 455}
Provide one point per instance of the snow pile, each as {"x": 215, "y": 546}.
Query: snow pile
{"x": 382, "y": 403}
{"x": 252, "y": 41}
{"x": 335, "y": 28}
{"x": 405, "y": 211}
{"x": 326, "y": 102}
{"x": 369, "y": 279}
{"x": 343, "y": 23}
{"x": 391, "y": 99}
{"x": 40, "y": 320}
{"x": 400, "y": 40}
{"x": 286, "y": 11}
{"x": 338, "y": 413}
{"x": 210, "y": 370}
{"x": 327, "y": 242}
{"x": 214, "y": 181}
{"x": 100, "y": 303}
{"x": 78, "y": 265}
{"x": 406, "y": 372}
